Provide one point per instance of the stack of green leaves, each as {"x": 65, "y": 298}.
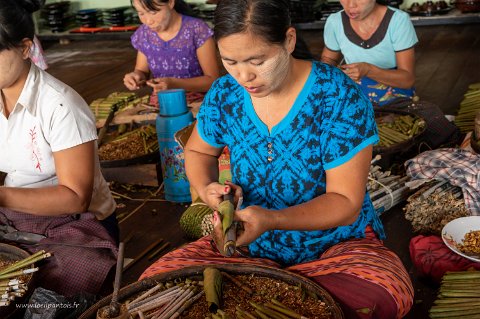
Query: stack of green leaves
{"x": 469, "y": 107}
{"x": 459, "y": 296}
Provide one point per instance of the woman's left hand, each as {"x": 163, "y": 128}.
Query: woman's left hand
{"x": 159, "y": 84}
{"x": 256, "y": 220}
{"x": 356, "y": 71}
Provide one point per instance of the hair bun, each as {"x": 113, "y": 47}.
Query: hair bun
{"x": 31, "y": 5}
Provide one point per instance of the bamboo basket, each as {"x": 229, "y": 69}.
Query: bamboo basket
{"x": 233, "y": 269}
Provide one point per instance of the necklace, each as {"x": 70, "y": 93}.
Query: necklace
{"x": 267, "y": 117}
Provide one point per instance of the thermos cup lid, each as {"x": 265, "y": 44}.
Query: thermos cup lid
{"x": 172, "y": 102}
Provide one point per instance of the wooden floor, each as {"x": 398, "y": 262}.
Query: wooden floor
{"x": 448, "y": 60}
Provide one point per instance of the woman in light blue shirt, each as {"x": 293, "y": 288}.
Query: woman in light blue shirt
{"x": 377, "y": 43}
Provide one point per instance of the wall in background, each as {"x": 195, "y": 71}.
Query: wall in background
{"x": 94, "y": 4}
{"x": 89, "y": 4}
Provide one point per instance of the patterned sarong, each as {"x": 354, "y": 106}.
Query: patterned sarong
{"x": 366, "y": 278}
{"x": 381, "y": 94}
{"x": 83, "y": 252}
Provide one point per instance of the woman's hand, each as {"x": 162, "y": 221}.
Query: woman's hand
{"x": 213, "y": 197}
{"x": 160, "y": 84}
{"x": 356, "y": 71}
{"x": 214, "y": 193}
{"x": 255, "y": 220}
{"x": 134, "y": 80}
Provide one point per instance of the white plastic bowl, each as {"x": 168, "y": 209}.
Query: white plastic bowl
{"x": 454, "y": 232}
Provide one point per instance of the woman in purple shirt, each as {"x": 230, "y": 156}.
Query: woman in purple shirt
{"x": 174, "y": 50}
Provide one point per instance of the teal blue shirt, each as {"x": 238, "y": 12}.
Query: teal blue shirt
{"x": 329, "y": 123}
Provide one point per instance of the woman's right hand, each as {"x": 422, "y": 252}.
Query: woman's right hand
{"x": 134, "y": 80}
{"x": 213, "y": 197}
{"x": 356, "y": 71}
{"x": 214, "y": 192}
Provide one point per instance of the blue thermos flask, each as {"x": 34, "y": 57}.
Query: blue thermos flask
{"x": 173, "y": 116}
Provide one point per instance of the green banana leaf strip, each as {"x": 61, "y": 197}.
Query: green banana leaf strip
{"x": 213, "y": 287}
{"x": 226, "y": 210}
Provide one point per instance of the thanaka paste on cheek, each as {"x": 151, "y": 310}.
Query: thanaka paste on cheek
{"x": 274, "y": 71}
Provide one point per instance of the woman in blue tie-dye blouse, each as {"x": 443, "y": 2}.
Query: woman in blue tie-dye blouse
{"x": 300, "y": 135}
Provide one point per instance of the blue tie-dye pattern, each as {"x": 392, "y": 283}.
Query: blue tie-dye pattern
{"x": 326, "y": 127}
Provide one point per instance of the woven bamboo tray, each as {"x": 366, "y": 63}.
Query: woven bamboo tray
{"x": 233, "y": 269}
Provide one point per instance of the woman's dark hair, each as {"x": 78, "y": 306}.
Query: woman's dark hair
{"x": 265, "y": 18}
{"x": 16, "y": 22}
{"x": 180, "y": 6}
{"x": 268, "y": 19}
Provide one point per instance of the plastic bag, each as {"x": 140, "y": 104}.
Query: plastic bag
{"x": 47, "y": 304}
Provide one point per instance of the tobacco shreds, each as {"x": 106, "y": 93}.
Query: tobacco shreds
{"x": 264, "y": 290}
{"x": 471, "y": 243}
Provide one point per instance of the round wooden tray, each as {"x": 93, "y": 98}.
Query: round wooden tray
{"x": 234, "y": 269}
{"x": 402, "y": 146}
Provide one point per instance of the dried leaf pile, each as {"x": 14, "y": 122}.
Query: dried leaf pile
{"x": 433, "y": 206}
{"x": 132, "y": 144}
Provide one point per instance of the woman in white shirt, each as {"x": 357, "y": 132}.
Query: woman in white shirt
{"x": 54, "y": 186}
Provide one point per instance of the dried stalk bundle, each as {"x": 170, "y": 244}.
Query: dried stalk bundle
{"x": 398, "y": 129}
{"x": 138, "y": 142}
{"x": 465, "y": 119}
{"x": 166, "y": 301}
{"x": 459, "y": 296}
{"x": 14, "y": 276}
{"x": 433, "y": 206}
{"x": 386, "y": 190}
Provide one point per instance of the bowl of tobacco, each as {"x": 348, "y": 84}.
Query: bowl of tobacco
{"x": 462, "y": 236}
{"x": 224, "y": 291}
